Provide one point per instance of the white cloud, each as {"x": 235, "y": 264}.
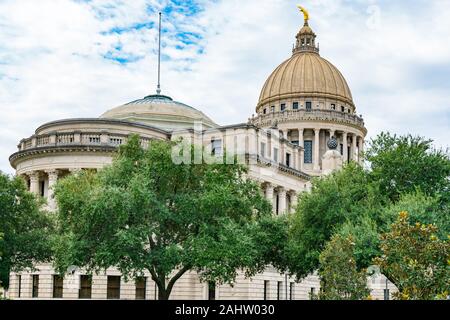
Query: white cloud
{"x": 52, "y": 64}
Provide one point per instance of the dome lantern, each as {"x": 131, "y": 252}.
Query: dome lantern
{"x": 306, "y": 38}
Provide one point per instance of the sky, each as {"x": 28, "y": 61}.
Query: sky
{"x": 79, "y": 58}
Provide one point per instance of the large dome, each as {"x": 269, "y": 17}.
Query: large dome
{"x": 160, "y": 111}
{"x": 305, "y": 74}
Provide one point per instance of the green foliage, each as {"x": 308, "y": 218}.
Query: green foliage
{"x": 403, "y": 164}
{"x": 342, "y": 197}
{"x": 146, "y": 213}
{"x": 339, "y": 275}
{"x": 416, "y": 260}
{"x": 25, "y": 230}
{"x": 364, "y": 232}
{"x": 423, "y": 209}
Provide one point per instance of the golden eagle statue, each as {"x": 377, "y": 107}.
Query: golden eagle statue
{"x": 305, "y": 13}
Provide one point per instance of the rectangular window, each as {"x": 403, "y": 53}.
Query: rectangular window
{"x": 283, "y": 107}
{"x": 263, "y": 149}
{"x": 266, "y": 289}
{"x": 308, "y": 106}
{"x": 291, "y": 290}
{"x": 211, "y": 291}
{"x": 342, "y": 108}
{"x": 272, "y": 108}
{"x": 265, "y": 111}
{"x": 85, "y": 287}
{"x": 42, "y": 188}
{"x": 19, "y": 286}
{"x": 216, "y": 147}
{"x": 288, "y": 159}
{"x": 308, "y": 151}
{"x": 295, "y": 106}
{"x": 275, "y": 155}
{"x": 312, "y": 293}
{"x": 141, "y": 288}
{"x": 386, "y": 294}
{"x": 333, "y": 106}
{"x": 113, "y": 290}
{"x": 35, "y": 293}
{"x": 279, "y": 287}
{"x": 58, "y": 283}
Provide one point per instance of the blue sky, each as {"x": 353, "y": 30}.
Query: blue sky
{"x": 73, "y": 58}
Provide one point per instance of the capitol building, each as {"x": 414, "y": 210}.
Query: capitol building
{"x": 306, "y": 125}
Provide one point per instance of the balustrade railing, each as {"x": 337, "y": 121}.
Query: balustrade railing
{"x": 77, "y": 139}
{"x": 292, "y": 115}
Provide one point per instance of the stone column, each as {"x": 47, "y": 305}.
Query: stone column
{"x": 281, "y": 201}
{"x": 354, "y": 149}
{"x": 345, "y": 146}
{"x": 316, "y": 149}
{"x": 34, "y": 182}
{"x": 301, "y": 143}
{"x": 361, "y": 150}
{"x": 52, "y": 179}
{"x": 270, "y": 197}
{"x": 294, "y": 200}
{"x": 300, "y": 137}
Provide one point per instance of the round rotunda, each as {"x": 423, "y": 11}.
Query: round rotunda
{"x": 309, "y": 101}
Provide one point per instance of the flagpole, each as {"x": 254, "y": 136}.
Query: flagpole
{"x": 158, "y": 90}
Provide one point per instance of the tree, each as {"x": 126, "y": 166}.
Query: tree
{"x": 423, "y": 209}
{"x": 403, "y": 164}
{"x": 145, "y": 213}
{"x": 415, "y": 260}
{"x": 341, "y": 197}
{"x": 339, "y": 275}
{"x": 365, "y": 235}
{"x": 25, "y": 230}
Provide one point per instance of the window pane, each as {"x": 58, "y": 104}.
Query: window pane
{"x": 308, "y": 151}
{"x": 308, "y": 106}
{"x": 295, "y": 106}
{"x": 35, "y": 292}
{"x": 58, "y": 283}
{"x": 113, "y": 287}
{"x": 266, "y": 289}
{"x": 85, "y": 287}
{"x": 211, "y": 291}
{"x": 19, "y": 284}
{"x": 141, "y": 286}
{"x": 216, "y": 147}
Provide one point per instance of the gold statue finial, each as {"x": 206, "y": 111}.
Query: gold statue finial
{"x": 305, "y": 13}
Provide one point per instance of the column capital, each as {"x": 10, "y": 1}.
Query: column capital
{"x": 34, "y": 175}
{"x": 281, "y": 189}
{"x": 316, "y": 130}
{"x": 52, "y": 172}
